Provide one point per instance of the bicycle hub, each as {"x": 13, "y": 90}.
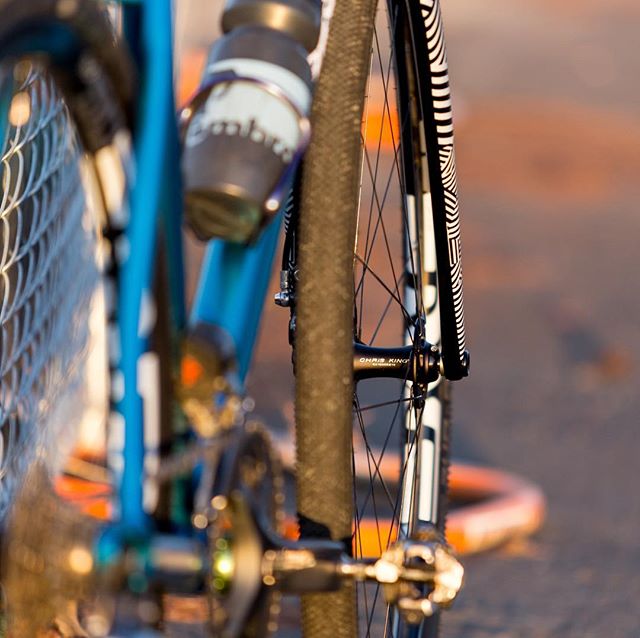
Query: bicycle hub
{"x": 418, "y": 365}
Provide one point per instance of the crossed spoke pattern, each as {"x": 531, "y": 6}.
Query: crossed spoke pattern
{"x": 48, "y": 273}
{"x": 388, "y": 309}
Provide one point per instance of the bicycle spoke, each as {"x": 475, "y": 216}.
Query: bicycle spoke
{"x": 388, "y": 288}
{"x": 384, "y": 404}
{"x": 393, "y": 294}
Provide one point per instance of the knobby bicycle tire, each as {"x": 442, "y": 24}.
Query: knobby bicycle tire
{"x": 330, "y": 292}
{"x": 324, "y": 339}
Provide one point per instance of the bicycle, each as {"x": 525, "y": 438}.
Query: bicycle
{"x": 197, "y": 485}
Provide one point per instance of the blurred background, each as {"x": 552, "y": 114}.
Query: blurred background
{"x": 546, "y": 104}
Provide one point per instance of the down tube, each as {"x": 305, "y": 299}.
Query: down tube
{"x": 232, "y": 289}
{"x": 153, "y": 141}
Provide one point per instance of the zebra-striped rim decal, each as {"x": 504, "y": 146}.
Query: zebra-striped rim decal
{"x": 443, "y": 121}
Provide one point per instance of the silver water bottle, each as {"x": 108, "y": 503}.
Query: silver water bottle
{"x": 247, "y": 127}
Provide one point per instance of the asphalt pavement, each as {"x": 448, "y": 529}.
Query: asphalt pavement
{"x": 548, "y": 139}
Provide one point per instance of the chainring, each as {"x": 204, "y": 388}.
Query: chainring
{"x": 248, "y": 497}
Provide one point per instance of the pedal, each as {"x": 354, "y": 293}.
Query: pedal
{"x": 420, "y": 575}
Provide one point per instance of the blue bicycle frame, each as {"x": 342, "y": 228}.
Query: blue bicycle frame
{"x": 233, "y": 280}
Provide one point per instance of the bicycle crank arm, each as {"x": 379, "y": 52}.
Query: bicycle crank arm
{"x": 417, "y": 575}
{"x": 248, "y": 564}
{"x": 418, "y": 365}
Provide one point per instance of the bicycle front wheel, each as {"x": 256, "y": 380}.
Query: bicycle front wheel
{"x": 372, "y": 459}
